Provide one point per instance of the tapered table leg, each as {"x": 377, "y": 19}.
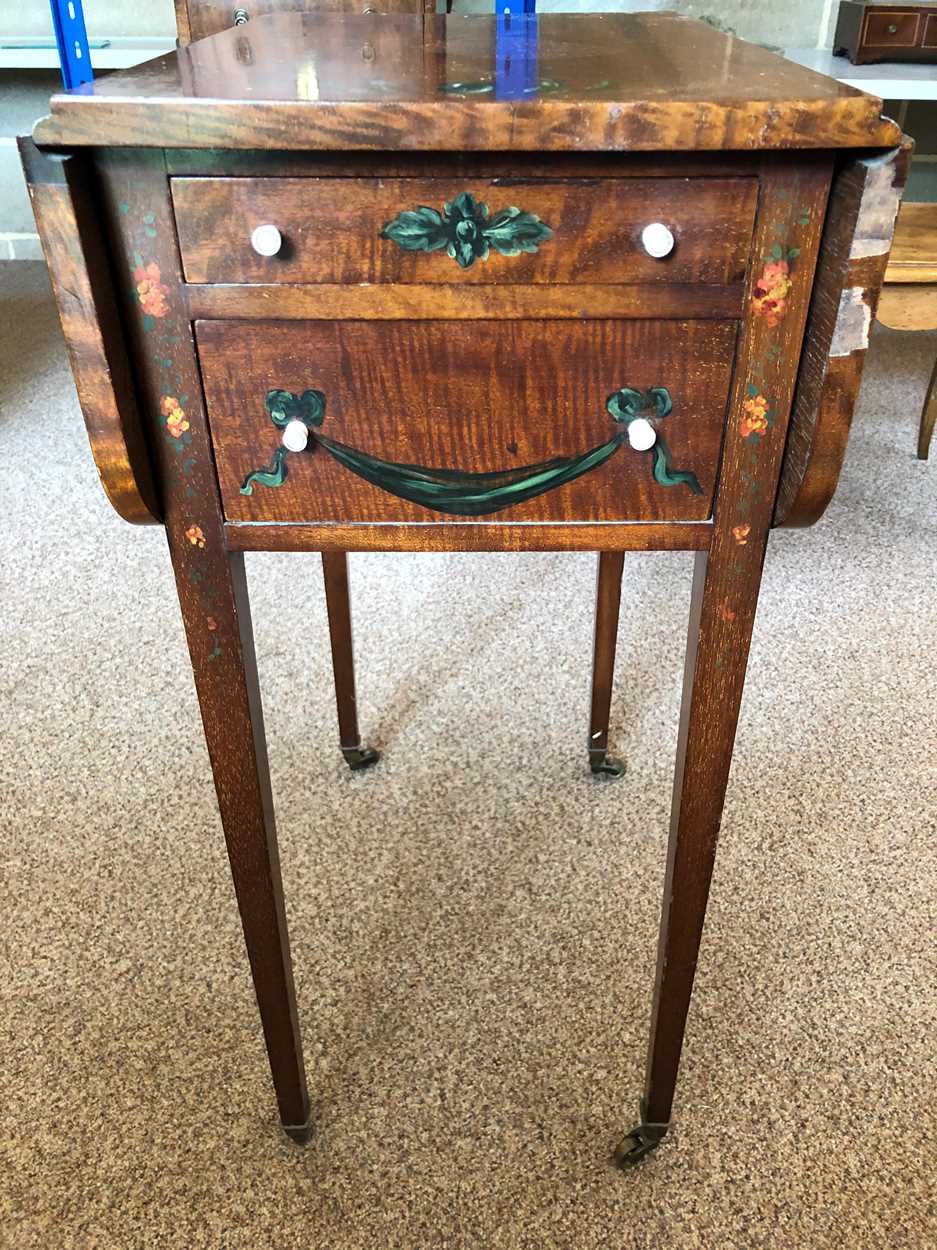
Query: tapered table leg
{"x": 928, "y": 418}
{"x": 338, "y": 605}
{"x": 607, "y": 603}
{"x": 717, "y": 655}
{"x": 726, "y": 583}
{"x": 229, "y": 698}
{"x": 134, "y": 199}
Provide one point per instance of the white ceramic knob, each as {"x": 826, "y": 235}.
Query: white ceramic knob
{"x": 641, "y": 434}
{"x": 266, "y": 240}
{"x": 658, "y": 240}
{"x": 295, "y": 436}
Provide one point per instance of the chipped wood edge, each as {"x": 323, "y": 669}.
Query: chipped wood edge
{"x": 854, "y": 254}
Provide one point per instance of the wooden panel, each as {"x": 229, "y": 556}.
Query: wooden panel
{"x": 856, "y": 239}
{"x": 914, "y": 250}
{"x": 909, "y": 307}
{"x": 391, "y": 303}
{"x": 468, "y": 536}
{"x": 196, "y": 19}
{"x": 67, "y": 220}
{"x": 332, "y": 229}
{"x": 472, "y": 397}
{"x": 891, "y": 29}
{"x": 215, "y": 162}
{"x": 612, "y": 82}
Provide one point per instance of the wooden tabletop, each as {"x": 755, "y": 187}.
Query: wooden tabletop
{"x": 913, "y": 255}
{"x": 596, "y": 82}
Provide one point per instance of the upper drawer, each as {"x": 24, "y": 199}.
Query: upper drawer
{"x": 417, "y": 230}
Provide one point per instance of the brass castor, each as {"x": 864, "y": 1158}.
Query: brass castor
{"x": 605, "y": 765}
{"x": 637, "y": 1144}
{"x": 360, "y": 757}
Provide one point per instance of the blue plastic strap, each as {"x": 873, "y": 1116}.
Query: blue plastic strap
{"x": 72, "y": 39}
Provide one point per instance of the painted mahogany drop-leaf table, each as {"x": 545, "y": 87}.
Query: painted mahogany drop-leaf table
{"x": 383, "y": 283}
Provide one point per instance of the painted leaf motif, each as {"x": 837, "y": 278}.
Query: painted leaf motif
{"x": 417, "y": 230}
{"x": 465, "y": 230}
{"x": 464, "y": 206}
{"x": 513, "y": 231}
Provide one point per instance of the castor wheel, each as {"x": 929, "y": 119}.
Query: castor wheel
{"x": 639, "y": 1143}
{"x": 605, "y": 765}
{"x": 360, "y": 757}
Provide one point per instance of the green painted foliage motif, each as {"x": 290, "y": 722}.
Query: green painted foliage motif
{"x": 466, "y": 232}
{"x": 461, "y": 493}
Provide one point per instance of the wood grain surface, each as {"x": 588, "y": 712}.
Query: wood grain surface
{"x": 614, "y": 82}
{"x": 422, "y": 301}
{"x": 197, "y": 19}
{"x": 61, "y": 191}
{"x": 476, "y": 396}
{"x": 914, "y": 249}
{"x": 488, "y": 166}
{"x": 331, "y": 229}
{"x": 854, "y": 253}
{"x": 456, "y": 534}
{"x": 908, "y": 306}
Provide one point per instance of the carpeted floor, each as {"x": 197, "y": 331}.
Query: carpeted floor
{"x": 474, "y": 921}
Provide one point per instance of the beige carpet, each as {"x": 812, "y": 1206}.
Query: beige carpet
{"x": 474, "y": 921}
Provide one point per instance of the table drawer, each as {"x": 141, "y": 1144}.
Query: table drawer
{"x": 891, "y": 30}
{"x": 422, "y": 421}
{"x": 415, "y": 230}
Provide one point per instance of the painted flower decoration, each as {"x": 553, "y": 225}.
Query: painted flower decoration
{"x": 769, "y": 297}
{"x": 740, "y": 533}
{"x": 195, "y": 536}
{"x": 176, "y": 423}
{"x": 151, "y": 291}
{"x": 755, "y": 420}
{"x": 465, "y": 230}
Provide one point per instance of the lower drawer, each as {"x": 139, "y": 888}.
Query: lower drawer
{"x": 511, "y": 420}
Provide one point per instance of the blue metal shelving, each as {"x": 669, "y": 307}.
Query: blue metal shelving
{"x": 72, "y": 39}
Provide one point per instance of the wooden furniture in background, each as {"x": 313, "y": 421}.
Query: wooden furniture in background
{"x": 453, "y": 309}
{"x": 869, "y": 31}
{"x": 197, "y": 19}
{"x": 909, "y": 298}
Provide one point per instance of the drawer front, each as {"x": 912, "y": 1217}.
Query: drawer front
{"x": 429, "y": 421}
{"x": 891, "y": 30}
{"x": 930, "y": 32}
{"x": 413, "y": 230}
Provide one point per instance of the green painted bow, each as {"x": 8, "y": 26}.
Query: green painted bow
{"x": 653, "y": 405}
{"x": 461, "y": 493}
{"x": 284, "y": 407}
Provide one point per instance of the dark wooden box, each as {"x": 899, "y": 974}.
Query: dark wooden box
{"x": 886, "y": 32}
